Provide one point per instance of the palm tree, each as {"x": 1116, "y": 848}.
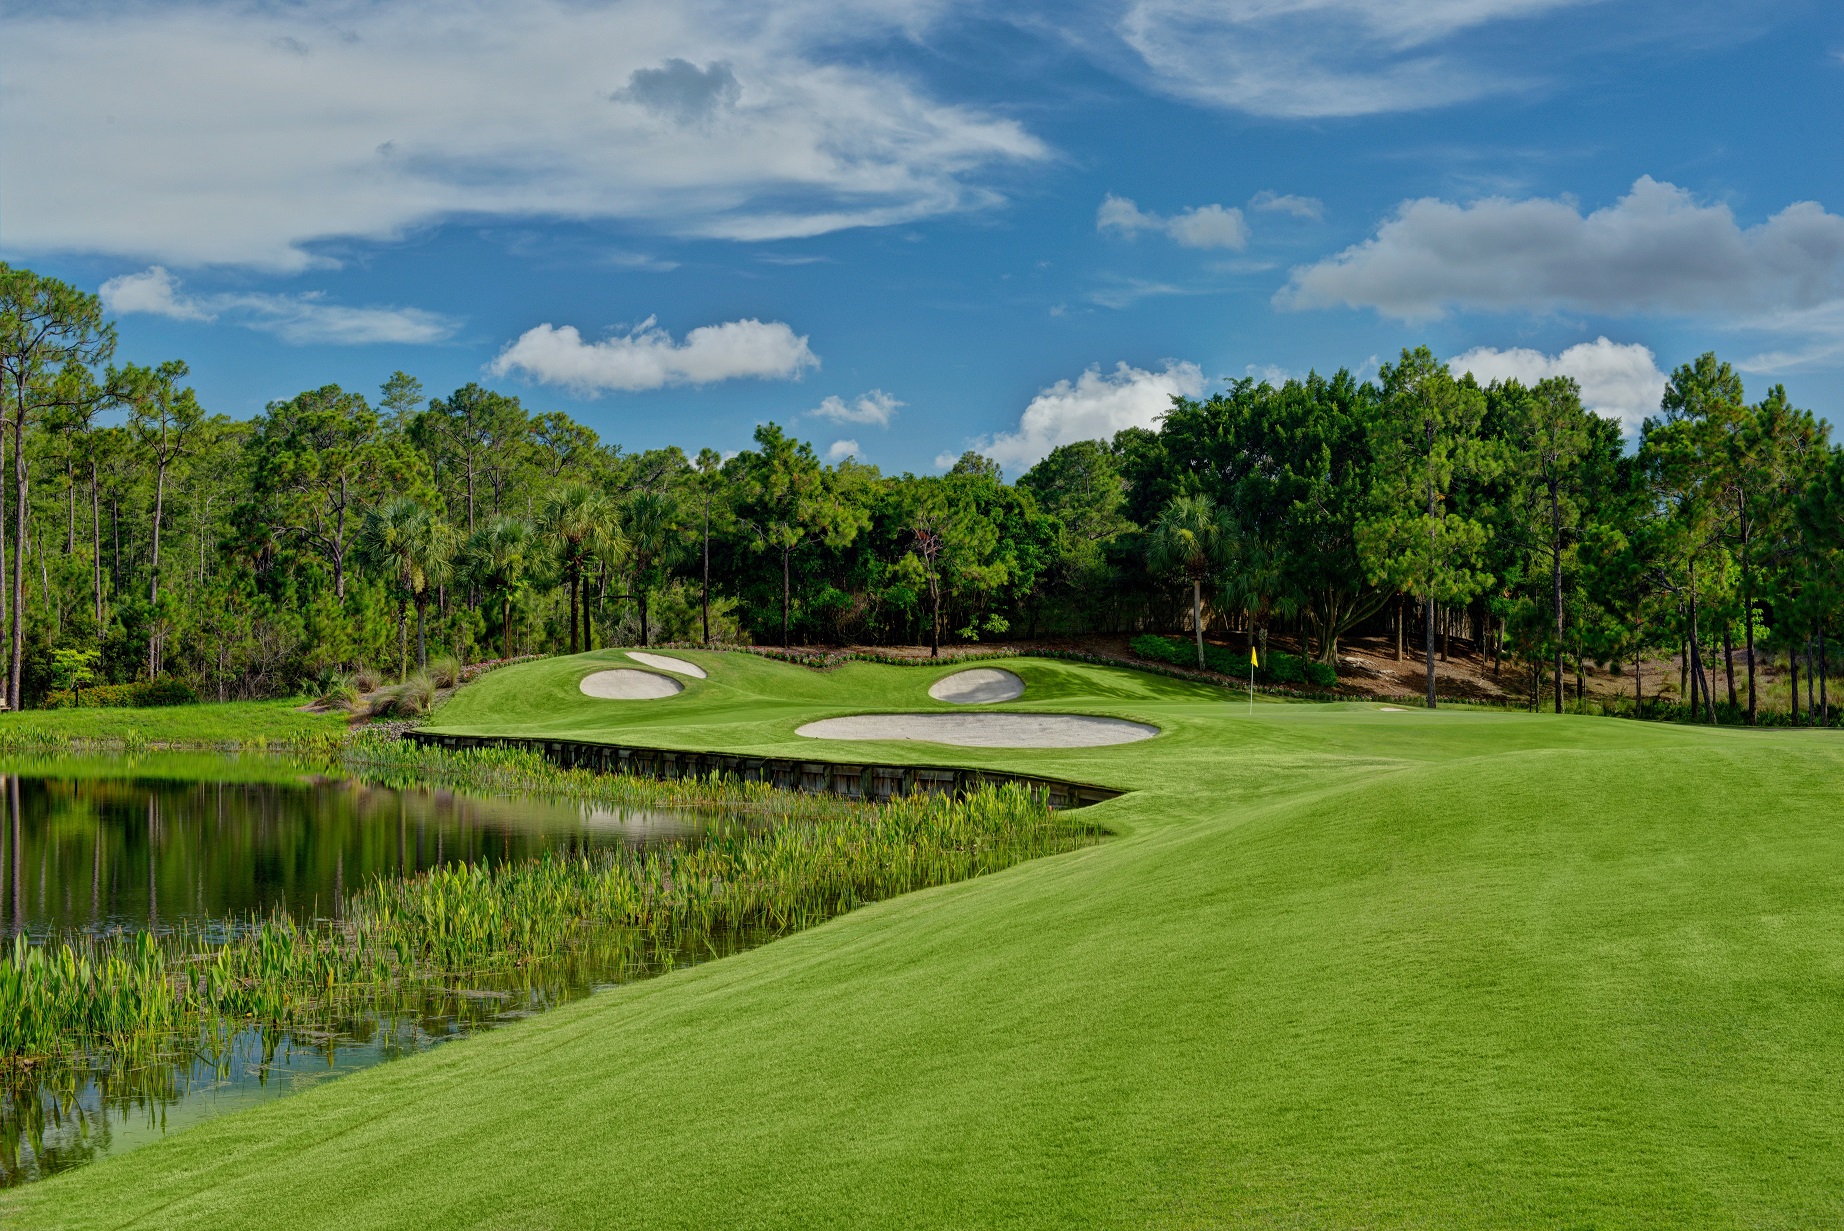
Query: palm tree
{"x": 1190, "y": 537}
{"x": 394, "y": 542}
{"x": 434, "y": 543}
{"x": 651, "y": 523}
{"x": 495, "y": 559}
{"x": 580, "y": 521}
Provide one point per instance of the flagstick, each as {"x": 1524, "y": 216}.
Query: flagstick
{"x": 1251, "y": 681}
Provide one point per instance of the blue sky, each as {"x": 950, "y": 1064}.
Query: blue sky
{"x": 908, "y": 228}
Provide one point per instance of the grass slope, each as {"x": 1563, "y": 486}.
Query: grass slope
{"x": 1343, "y": 968}
{"x": 229, "y": 722}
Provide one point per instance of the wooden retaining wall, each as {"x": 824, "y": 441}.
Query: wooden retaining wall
{"x": 854, "y": 781}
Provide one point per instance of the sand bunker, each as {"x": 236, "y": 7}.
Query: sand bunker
{"x": 663, "y": 663}
{"x": 627, "y": 684}
{"x": 977, "y": 687}
{"x": 985, "y": 730}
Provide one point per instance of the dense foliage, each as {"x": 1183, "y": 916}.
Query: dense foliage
{"x": 145, "y": 539}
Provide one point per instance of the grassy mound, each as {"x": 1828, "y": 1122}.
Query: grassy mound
{"x": 1345, "y": 968}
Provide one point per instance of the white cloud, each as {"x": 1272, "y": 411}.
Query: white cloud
{"x": 1618, "y": 380}
{"x": 646, "y": 357}
{"x": 1656, "y": 249}
{"x": 1279, "y": 203}
{"x": 839, "y": 450}
{"x": 1092, "y": 407}
{"x": 153, "y": 292}
{"x": 876, "y": 407}
{"x": 1204, "y": 226}
{"x": 214, "y": 131}
{"x": 303, "y": 319}
{"x": 1306, "y": 58}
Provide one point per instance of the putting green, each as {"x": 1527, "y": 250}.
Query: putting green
{"x": 1341, "y": 968}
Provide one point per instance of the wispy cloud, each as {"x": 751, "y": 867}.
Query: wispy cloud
{"x": 1309, "y": 58}
{"x": 839, "y": 450}
{"x": 307, "y": 318}
{"x": 1203, "y": 226}
{"x": 1287, "y": 203}
{"x": 246, "y": 134}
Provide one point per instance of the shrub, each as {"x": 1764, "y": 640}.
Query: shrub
{"x": 366, "y": 680}
{"x": 111, "y": 696}
{"x": 339, "y": 693}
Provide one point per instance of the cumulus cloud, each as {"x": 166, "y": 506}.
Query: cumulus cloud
{"x": 1308, "y": 58}
{"x": 247, "y": 133}
{"x": 646, "y": 357}
{"x": 1204, "y": 226}
{"x": 1656, "y": 249}
{"x": 304, "y": 319}
{"x": 1092, "y": 407}
{"x": 152, "y": 292}
{"x": 1618, "y": 380}
{"x": 1279, "y": 203}
{"x": 875, "y": 407}
{"x": 839, "y": 450}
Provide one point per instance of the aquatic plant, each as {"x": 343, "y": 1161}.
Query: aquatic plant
{"x": 775, "y": 862}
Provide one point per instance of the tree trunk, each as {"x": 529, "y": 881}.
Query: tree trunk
{"x": 70, "y": 512}
{"x": 646, "y": 634}
{"x": 1402, "y": 615}
{"x": 575, "y": 586}
{"x": 1792, "y": 663}
{"x": 96, "y": 550}
{"x": 1748, "y": 613}
{"x": 588, "y": 625}
{"x": 786, "y": 602}
{"x": 1555, "y": 571}
{"x": 1197, "y": 617}
{"x": 1811, "y": 699}
{"x": 1728, "y": 661}
{"x": 1428, "y": 611}
{"x": 1824, "y": 704}
{"x": 339, "y": 545}
{"x": 706, "y": 599}
{"x": 22, "y": 480}
{"x": 403, "y": 639}
{"x": 934, "y": 621}
{"x": 422, "y": 645}
{"x": 505, "y": 625}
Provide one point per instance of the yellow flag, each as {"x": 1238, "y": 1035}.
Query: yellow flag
{"x": 1253, "y": 661}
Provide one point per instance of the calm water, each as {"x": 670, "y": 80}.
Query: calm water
{"x": 93, "y": 854}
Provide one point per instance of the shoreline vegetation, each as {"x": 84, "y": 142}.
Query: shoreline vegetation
{"x": 772, "y": 863}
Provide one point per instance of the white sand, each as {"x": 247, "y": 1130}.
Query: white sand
{"x": 663, "y": 663}
{"x": 984, "y": 730}
{"x": 1391, "y": 709}
{"x": 627, "y": 684}
{"x": 977, "y": 686}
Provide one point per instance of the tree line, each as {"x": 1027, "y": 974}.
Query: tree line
{"x": 144, "y": 538}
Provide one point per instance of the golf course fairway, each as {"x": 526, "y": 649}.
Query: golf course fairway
{"x": 1339, "y": 967}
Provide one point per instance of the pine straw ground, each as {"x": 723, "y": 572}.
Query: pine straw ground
{"x": 1341, "y": 967}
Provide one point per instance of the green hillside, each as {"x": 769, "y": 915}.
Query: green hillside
{"x": 1341, "y": 967}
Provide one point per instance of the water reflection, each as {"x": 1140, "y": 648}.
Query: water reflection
{"x": 94, "y": 853}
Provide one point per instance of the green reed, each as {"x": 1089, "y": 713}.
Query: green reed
{"x": 775, "y": 862}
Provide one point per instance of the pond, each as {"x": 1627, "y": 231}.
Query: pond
{"x": 212, "y": 845}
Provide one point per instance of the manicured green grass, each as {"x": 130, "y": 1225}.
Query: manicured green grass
{"x": 229, "y": 723}
{"x": 1344, "y": 968}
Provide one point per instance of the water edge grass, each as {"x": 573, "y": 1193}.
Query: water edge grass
{"x": 772, "y": 862}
